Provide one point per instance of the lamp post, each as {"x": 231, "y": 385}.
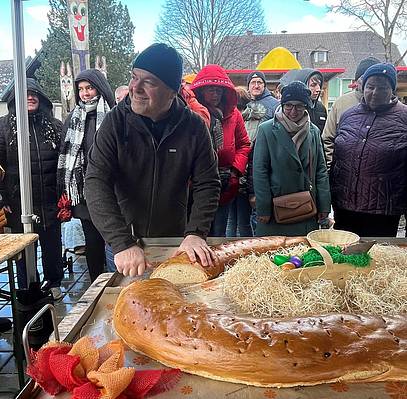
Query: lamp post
{"x": 24, "y": 162}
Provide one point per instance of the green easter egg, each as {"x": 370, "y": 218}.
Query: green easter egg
{"x": 280, "y": 259}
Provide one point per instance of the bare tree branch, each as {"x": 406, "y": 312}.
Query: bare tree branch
{"x": 383, "y": 17}
{"x": 198, "y": 28}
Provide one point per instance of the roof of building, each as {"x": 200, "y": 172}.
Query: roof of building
{"x": 32, "y": 64}
{"x": 344, "y": 49}
{"x": 6, "y": 73}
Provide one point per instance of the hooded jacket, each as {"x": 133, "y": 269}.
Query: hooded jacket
{"x": 236, "y": 142}
{"x": 318, "y": 113}
{"x": 269, "y": 102}
{"x": 132, "y": 180}
{"x": 45, "y": 133}
{"x": 99, "y": 82}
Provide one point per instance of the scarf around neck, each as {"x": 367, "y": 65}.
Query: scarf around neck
{"x": 45, "y": 129}
{"x": 71, "y": 161}
{"x": 216, "y": 128}
{"x": 298, "y": 131}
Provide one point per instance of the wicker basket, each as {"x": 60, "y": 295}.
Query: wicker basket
{"x": 333, "y": 237}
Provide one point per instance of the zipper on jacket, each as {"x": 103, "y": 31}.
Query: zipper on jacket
{"x": 153, "y": 187}
{"x": 41, "y": 179}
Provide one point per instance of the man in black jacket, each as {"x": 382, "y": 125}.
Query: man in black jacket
{"x": 147, "y": 153}
{"x": 314, "y": 80}
{"x": 45, "y": 133}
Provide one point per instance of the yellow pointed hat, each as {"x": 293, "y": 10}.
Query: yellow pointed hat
{"x": 279, "y": 59}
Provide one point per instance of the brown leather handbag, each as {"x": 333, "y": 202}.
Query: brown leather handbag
{"x": 295, "y": 207}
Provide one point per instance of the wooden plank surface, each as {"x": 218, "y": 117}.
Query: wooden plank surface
{"x": 12, "y": 244}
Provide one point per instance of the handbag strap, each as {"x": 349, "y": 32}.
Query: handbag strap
{"x": 310, "y": 169}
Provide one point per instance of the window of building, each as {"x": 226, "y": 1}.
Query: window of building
{"x": 257, "y": 57}
{"x": 320, "y": 56}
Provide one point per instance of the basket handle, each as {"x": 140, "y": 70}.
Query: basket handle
{"x": 326, "y": 256}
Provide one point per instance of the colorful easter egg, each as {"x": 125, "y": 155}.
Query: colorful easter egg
{"x": 280, "y": 259}
{"x": 287, "y": 266}
{"x": 296, "y": 260}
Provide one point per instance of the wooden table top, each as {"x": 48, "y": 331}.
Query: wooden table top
{"x": 12, "y": 244}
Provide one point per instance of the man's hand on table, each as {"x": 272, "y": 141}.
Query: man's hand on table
{"x": 131, "y": 262}
{"x": 195, "y": 246}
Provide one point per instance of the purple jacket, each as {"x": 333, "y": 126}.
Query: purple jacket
{"x": 369, "y": 169}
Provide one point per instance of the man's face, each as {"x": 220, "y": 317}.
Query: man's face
{"x": 212, "y": 95}
{"x": 314, "y": 85}
{"x": 377, "y": 91}
{"x": 256, "y": 87}
{"x": 149, "y": 96}
{"x": 33, "y": 102}
{"x": 86, "y": 91}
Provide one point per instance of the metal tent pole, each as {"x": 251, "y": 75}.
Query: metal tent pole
{"x": 24, "y": 162}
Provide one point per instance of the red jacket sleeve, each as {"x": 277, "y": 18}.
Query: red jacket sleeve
{"x": 242, "y": 141}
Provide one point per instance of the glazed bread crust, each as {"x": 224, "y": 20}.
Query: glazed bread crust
{"x": 152, "y": 317}
{"x": 176, "y": 269}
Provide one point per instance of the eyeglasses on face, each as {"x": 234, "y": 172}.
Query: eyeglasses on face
{"x": 256, "y": 83}
{"x": 298, "y": 107}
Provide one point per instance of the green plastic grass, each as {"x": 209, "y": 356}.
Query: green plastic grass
{"x": 313, "y": 258}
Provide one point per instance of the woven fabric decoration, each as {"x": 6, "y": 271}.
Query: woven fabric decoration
{"x": 95, "y": 373}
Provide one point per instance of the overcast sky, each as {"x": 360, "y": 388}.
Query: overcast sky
{"x": 293, "y": 16}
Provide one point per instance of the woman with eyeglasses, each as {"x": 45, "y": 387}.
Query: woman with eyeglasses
{"x": 216, "y": 92}
{"x": 288, "y": 159}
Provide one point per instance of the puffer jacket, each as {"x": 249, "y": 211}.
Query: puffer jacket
{"x": 318, "y": 112}
{"x": 369, "y": 168}
{"x": 45, "y": 133}
{"x": 236, "y": 142}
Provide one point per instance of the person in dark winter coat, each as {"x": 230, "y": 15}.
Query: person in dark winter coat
{"x": 216, "y": 92}
{"x": 149, "y": 153}
{"x": 369, "y": 168}
{"x": 314, "y": 80}
{"x": 260, "y": 94}
{"x": 45, "y": 133}
{"x": 94, "y": 98}
{"x": 289, "y": 158}
{"x": 342, "y": 104}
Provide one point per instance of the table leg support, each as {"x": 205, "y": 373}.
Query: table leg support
{"x": 17, "y": 331}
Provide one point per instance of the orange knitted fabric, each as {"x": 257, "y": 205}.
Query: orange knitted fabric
{"x": 95, "y": 373}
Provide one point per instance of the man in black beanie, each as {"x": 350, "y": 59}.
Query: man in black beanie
{"x": 342, "y": 104}
{"x": 150, "y": 151}
{"x": 260, "y": 94}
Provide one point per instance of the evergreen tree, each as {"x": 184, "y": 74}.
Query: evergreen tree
{"x": 110, "y": 34}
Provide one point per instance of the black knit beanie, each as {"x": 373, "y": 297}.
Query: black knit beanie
{"x": 296, "y": 91}
{"x": 162, "y": 61}
{"x": 364, "y": 65}
{"x": 256, "y": 74}
{"x": 383, "y": 69}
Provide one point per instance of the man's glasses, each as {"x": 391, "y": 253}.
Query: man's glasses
{"x": 256, "y": 83}
{"x": 298, "y": 107}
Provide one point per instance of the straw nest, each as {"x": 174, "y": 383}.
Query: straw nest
{"x": 259, "y": 287}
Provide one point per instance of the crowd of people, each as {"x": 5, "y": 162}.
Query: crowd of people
{"x": 200, "y": 157}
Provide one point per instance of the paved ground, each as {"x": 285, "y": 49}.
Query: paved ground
{"x": 73, "y": 286}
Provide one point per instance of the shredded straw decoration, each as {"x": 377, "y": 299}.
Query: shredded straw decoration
{"x": 259, "y": 287}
